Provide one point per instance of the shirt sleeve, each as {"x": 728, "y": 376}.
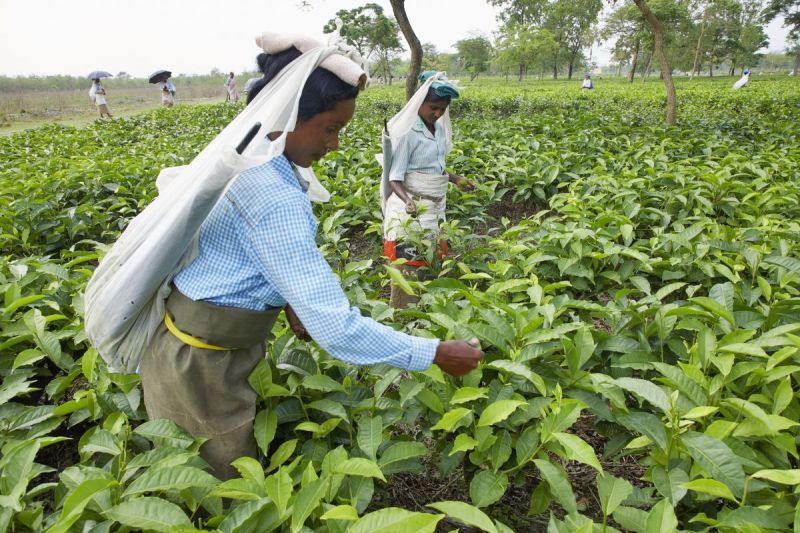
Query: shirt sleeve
{"x": 400, "y": 156}
{"x": 283, "y": 246}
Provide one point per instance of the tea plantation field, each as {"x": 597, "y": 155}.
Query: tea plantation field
{"x": 636, "y": 290}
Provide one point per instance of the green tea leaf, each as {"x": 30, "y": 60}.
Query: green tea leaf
{"x": 149, "y": 513}
{"x": 394, "y": 520}
{"x": 465, "y": 513}
{"x": 487, "y": 487}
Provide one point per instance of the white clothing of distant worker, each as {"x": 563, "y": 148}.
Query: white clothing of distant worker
{"x": 587, "y": 82}
{"x": 97, "y": 94}
{"x": 230, "y": 86}
{"x": 744, "y": 80}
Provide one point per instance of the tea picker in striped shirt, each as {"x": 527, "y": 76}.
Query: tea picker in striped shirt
{"x": 257, "y": 256}
{"x": 418, "y": 181}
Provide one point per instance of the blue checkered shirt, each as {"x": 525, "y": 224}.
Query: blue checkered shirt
{"x": 419, "y": 151}
{"x": 258, "y": 250}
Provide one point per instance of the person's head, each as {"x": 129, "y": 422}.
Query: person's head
{"x": 96, "y": 80}
{"x": 438, "y": 97}
{"x": 326, "y": 105}
{"x": 433, "y": 107}
{"x": 231, "y": 74}
{"x": 586, "y": 76}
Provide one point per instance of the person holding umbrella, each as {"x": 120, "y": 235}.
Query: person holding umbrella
{"x": 162, "y": 78}
{"x": 97, "y": 93}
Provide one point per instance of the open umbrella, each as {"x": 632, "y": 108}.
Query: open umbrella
{"x": 95, "y": 74}
{"x": 159, "y": 75}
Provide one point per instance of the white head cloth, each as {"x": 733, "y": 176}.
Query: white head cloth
{"x": 347, "y": 64}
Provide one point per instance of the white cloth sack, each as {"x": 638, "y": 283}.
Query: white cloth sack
{"x": 93, "y": 92}
{"x": 400, "y": 124}
{"x": 742, "y": 81}
{"x": 124, "y": 300}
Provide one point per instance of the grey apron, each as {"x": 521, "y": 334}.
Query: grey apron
{"x": 206, "y": 391}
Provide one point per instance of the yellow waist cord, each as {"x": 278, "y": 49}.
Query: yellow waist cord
{"x": 188, "y": 339}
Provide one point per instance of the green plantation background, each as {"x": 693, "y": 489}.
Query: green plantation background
{"x": 636, "y": 290}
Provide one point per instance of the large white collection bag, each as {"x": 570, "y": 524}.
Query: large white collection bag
{"x": 124, "y": 301}
{"x": 400, "y": 124}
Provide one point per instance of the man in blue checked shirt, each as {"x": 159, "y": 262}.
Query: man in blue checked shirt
{"x": 257, "y": 256}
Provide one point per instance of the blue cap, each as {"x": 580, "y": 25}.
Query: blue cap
{"x": 442, "y": 88}
{"x": 425, "y": 75}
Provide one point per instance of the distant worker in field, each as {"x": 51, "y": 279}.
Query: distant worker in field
{"x": 587, "y": 82}
{"x": 97, "y": 94}
{"x": 257, "y": 255}
{"x": 415, "y": 181}
{"x": 744, "y": 81}
{"x": 230, "y": 86}
{"x": 167, "y": 87}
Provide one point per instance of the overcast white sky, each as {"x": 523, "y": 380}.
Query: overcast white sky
{"x": 193, "y": 36}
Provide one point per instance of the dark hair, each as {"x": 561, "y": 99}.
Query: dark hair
{"x": 433, "y": 97}
{"x": 322, "y": 91}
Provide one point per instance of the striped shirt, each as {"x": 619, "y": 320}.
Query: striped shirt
{"x": 258, "y": 250}
{"x": 419, "y": 151}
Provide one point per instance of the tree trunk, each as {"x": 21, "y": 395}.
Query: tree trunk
{"x": 571, "y": 65}
{"x": 796, "y": 66}
{"x": 646, "y": 70}
{"x": 555, "y": 70}
{"x": 696, "y": 66}
{"x": 387, "y": 67}
{"x": 711, "y": 70}
{"x": 521, "y": 71}
{"x": 619, "y": 69}
{"x": 399, "y": 10}
{"x": 663, "y": 63}
{"x": 634, "y": 61}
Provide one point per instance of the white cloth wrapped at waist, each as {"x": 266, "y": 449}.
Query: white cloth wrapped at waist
{"x": 428, "y": 186}
{"x": 429, "y": 192}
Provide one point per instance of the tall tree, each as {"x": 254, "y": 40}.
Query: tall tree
{"x": 571, "y": 22}
{"x": 795, "y": 50}
{"x": 663, "y": 62}
{"x": 371, "y": 32}
{"x": 520, "y": 47}
{"x": 790, "y": 11}
{"x": 475, "y": 54}
{"x": 399, "y": 10}
{"x": 430, "y": 57}
{"x": 723, "y": 28}
{"x": 627, "y": 25}
{"x": 520, "y": 12}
